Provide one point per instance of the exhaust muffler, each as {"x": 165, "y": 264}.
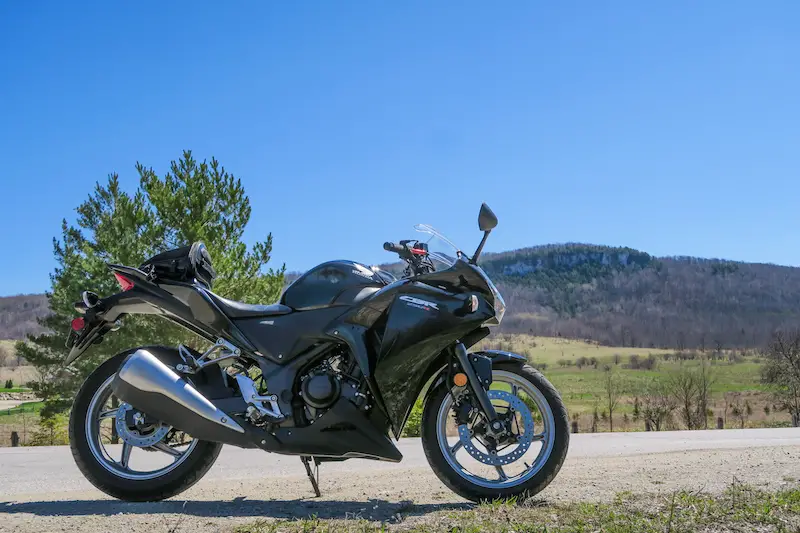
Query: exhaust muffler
{"x": 152, "y": 387}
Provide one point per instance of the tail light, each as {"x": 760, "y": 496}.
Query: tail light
{"x": 77, "y": 324}
{"x": 124, "y": 283}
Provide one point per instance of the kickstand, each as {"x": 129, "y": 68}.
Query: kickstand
{"x": 312, "y": 476}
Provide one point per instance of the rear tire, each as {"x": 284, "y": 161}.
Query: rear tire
{"x": 471, "y": 491}
{"x": 192, "y": 468}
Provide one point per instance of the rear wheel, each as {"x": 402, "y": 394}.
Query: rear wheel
{"x": 125, "y": 454}
{"x": 519, "y": 460}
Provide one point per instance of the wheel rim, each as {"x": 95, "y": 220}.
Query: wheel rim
{"x": 463, "y": 460}
{"x": 99, "y": 412}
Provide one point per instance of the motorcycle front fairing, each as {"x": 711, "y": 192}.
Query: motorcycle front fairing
{"x": 402, "y": 335}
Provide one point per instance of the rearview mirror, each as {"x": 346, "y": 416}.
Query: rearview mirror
{"x": 486, "y": 219}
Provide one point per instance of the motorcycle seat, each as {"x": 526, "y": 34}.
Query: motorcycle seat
{"x": 242, "y": 310}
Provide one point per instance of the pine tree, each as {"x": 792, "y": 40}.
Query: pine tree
{"x": 193, "y": 202}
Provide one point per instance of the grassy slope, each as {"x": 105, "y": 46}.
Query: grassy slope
{"x": 18, "y": 375}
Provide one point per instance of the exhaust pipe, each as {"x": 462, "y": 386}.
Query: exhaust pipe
{"x": 152, "y": 387}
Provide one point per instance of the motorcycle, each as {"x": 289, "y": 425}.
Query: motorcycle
{"x": 329, "y": 373}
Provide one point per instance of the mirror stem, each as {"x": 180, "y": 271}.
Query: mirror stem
{"x": 477, "y": 253}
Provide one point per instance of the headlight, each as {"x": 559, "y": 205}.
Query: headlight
{"x": 499, "y": 303}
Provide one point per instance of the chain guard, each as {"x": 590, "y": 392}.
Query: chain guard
{"x": 523, "y": 443}
{"x": 133, "y": 437}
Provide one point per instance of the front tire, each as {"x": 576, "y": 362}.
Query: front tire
{"x": 552, "y": 451}
{"x": 115, "y": 477}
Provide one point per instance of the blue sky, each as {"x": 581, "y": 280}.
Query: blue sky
{"x": 672, "y": 127}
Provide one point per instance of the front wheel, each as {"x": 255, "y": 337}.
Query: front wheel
{"x": 518, "y": 461}
{"x": 124, "y": 453}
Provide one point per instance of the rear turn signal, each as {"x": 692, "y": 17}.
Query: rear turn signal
{"x": 124, "y": 283}
{"x": 77, "y": 324}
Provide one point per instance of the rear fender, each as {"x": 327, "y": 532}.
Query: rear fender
{"x": 102, "y": 319}
{"x": 144, "y": 298}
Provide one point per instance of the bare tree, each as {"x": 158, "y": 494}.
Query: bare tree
{"x": 657, "y": 404}
{"x": 683, "y": 388}
{"x": 740, "y": 408}
{"x": 613, "y": 387}
{"x": 704, "y": 379}
{"x": 781, "y": 371}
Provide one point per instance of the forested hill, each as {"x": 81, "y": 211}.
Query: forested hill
{"x": 617, "y": 296}
{"x": 19, "y": 314}
{"x": 624, "y": 297}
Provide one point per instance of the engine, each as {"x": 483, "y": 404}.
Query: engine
{"x": 330, "y": 380}
{"x": 321, "y": 388}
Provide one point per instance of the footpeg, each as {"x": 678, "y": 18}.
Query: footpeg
{"x": 313, "y": 476}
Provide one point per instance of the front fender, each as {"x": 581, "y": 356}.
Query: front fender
{"x": 497, "y": 356}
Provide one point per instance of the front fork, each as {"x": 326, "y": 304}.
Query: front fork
{"x": 476, "y": 385}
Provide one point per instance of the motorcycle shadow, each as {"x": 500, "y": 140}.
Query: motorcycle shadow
{"x": 371, "y": 509}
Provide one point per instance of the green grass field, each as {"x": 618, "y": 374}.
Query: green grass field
{"x": 582, "y": 388}
{"x": 27, "y": 407}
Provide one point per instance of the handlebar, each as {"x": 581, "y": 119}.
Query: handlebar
{"x": 417, "y": 258}
{"x": 392, "y": 247}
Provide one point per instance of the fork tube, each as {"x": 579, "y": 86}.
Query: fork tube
{"x": 475, "y": 382}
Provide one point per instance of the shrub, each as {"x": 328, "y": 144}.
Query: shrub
{"x": 735, "y": 358}
{"x": 414, "y": 422}
{"x": 9, "y": 384}
{"x": 637, "y": 363}
{"x": 581, "y": 362}
{"x": 52, "y": 432}
{"x": 648, "y": 364}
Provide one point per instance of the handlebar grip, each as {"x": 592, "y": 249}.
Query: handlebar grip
{"x": 392, "y": 247}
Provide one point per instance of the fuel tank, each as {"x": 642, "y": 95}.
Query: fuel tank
{"x": 333, "y": 283}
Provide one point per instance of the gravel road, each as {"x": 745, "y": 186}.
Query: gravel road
{"x": 42, "y": 490}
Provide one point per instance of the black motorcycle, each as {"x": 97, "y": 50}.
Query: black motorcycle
{"x": 327, "y": 374}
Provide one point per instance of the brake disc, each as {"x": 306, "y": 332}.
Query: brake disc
{"x": 133, "y": 436}
{"x": 523, "y": 442}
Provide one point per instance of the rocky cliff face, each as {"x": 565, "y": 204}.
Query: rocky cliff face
{"x": 590, "y": 260}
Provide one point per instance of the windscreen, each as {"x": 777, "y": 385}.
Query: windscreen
{"x": 441, "y": 250}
